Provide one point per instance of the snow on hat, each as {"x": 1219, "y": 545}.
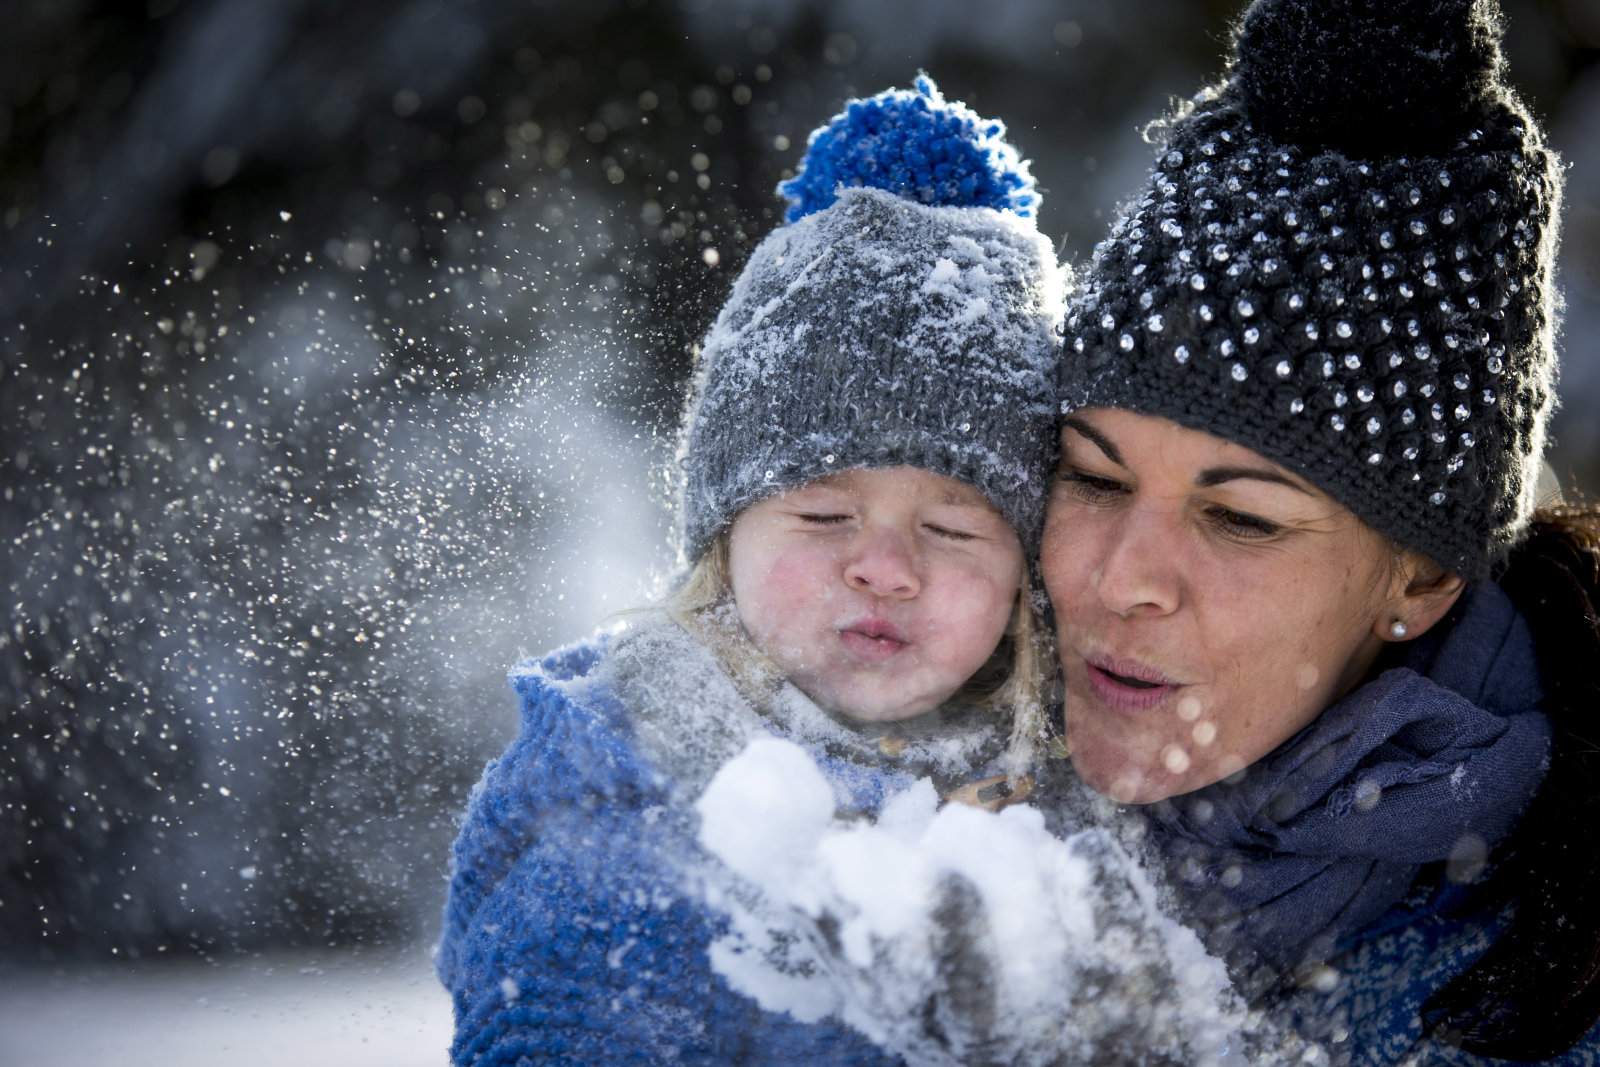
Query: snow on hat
{"x": 1343, "y": 260}
{"x": 907, "y": 314}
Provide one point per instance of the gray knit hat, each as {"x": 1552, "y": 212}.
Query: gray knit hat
{"x": 1343, "y": 261}
{"x": 908, "y": 317}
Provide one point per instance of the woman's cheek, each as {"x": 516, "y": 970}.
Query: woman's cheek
{"x": 1066, "y": 553}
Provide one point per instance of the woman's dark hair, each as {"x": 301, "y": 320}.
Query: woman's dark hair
{"x": 1536, "y": 992}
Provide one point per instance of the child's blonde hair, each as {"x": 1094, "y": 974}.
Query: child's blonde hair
{"x": 1014, "y": 676}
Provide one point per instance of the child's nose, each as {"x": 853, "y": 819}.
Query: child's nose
{"x": 884, "y": 564}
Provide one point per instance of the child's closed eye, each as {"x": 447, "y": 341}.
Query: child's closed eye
{"x": 948, "y": 532}
{"x": 818, "y": 518}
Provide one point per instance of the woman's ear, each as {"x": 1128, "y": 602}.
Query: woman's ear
{"x": 1426, "y": 593}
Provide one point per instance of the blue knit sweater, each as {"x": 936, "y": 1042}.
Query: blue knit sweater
{"x": 1373, "y": 1019}
{"x": 573, "y": 932}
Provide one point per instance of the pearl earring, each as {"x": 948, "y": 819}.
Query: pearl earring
{"x": 1397, "y": 629}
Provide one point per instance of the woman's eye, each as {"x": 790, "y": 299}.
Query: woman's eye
{"x": 1091, "y": 487}
{"x": 819, "y": 518}
{"x": 1238, "y": 524}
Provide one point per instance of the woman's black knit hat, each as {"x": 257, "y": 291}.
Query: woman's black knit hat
{"x": 1343, "y": 261}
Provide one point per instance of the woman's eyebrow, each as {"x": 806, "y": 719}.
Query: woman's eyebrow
{"x": 1217, "y": 475}
{"x": 1100, "y": 440}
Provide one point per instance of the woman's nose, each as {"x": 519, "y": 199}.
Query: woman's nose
{"x": 1138, "y": 570}
{"x": 884, "y": 563}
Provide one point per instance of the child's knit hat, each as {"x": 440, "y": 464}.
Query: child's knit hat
{"x": 1343, "y": 261}
{"x": 907, "y": 314}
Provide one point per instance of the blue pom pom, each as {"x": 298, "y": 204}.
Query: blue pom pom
{"x": 917, "y": 145}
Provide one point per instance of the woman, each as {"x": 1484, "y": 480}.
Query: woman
{"x": 1305, "y": 396}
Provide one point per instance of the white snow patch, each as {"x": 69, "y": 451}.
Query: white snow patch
{"x": 765, "y": 813}
{"x": 325, "y": 1009}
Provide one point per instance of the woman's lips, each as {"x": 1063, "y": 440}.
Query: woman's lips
{"x": 873, "y": 640}
{"x": 1128, "y": 685}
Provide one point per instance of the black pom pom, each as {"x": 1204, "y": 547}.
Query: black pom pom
{"x": 1368, "y": 77}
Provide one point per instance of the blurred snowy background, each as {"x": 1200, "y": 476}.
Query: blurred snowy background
{"x": 341, "y": 346}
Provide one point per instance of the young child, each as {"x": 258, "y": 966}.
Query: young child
{"x": 868, "y": 447}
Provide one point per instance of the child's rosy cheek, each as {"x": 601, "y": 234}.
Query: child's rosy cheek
{"x": 797, "y": 577}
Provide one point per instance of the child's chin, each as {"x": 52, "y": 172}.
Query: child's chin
{"x": 865, "y": 708}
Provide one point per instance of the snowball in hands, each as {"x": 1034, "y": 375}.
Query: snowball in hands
{"x": 1029, "y": 947}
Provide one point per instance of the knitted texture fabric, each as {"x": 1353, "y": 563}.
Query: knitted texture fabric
{"x": 1372, "y": 1015}
{"x": 1343, "y": 260}
{"x": 580, "y": 919}
{"x": 880, "y": 330}
{"x": 915, "y": 144}
{"x": 570, "y": 934}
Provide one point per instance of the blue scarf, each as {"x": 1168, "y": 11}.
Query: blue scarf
{"x": 1432, "y": 761}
